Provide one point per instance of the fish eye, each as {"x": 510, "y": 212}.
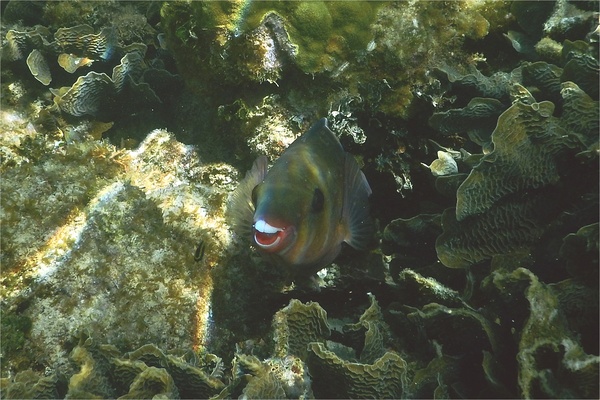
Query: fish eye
{"x": 317, "y": 201}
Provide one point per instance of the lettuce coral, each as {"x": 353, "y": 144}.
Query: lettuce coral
{"x": 529, "y": 143}
{"x": 526, "y": 144}
{"x": 297, "y": 325}
{"x": 384, "y": 378}
{"x": 546, "y": 338}
{"x": 39, "y": 67}
{"x": 128, "y": 242}
{"x": 30, "y": 385}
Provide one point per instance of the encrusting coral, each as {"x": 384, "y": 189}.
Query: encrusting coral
{"x": 71, "y": 270}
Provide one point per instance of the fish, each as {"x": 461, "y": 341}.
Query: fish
{"x": 298, "y": 213}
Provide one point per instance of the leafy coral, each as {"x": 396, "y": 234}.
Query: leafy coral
{"x": 127, "y": 240}
{"x": 528, "y": 145}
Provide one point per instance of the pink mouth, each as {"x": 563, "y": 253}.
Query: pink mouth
{"x": 268, "y": 237}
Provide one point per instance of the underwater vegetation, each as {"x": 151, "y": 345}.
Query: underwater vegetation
{"x": 125, "y": 127}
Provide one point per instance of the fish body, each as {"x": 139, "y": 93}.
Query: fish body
{"x": 313, "y": 198}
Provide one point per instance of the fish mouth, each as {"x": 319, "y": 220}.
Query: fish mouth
{"x": 267, "y": 236}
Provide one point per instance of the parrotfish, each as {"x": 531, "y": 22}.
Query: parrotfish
{"x": 298, "y": 212}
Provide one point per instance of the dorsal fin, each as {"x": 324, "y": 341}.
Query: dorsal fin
{"x": 319, "y": 136}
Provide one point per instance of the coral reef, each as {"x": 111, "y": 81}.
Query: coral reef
{"x": 39, "y": 67}
{"x": 322, "y": 34}
{"x": 97, "y": 94}
{"x": 30, "y": 385}
{"x": 378, "y": 373}
{"x": 96, "y": 263}
{"x": 530, "y": 145}
{"x": 87, "y": 52}
{"x": 383, "y": 378}
{"x": 477, "y": 119}
{"x": 125, "y": 126}
{"x": 297, "y": 325}
{"x": 546, "y": 338}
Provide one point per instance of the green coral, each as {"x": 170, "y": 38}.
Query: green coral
{"x": 578, "y": 300}
{"x": 297, "y": 325}
{"x": 90, "y": 382}
{"x": 193, "y": 382}
{"x": 477, "y": 119}
{"x": 132, "y": 245}
{"x": 155, "y": 383}
{"x": 103, "y": 372}
{"x": 272, "y": 378}
{"x": 508, "y": 229}
{"x": 580, "y": 113}
{"x": 579, "y": 251}
{"x": 410, "y": 239}
{"x": 299, "y": 333}
{"x": 528, "y": 145}
{"x": 96, "y": 45}
{"x": 384, "y": 378}
{"x": 324, "y": 32}
{"x": 28, "y": 384}
{"x": 546, "y": 337}
{"x": 39, "y": 67}
{"x": 580, "y": 67}
{"x": 374, "y": 331}
{"x": 379, "y": 373}
{"x": 99, "y": 95}
{"x": 190, "y": 381}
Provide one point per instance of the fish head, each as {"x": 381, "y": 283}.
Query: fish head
{"x": 280, "y": 214}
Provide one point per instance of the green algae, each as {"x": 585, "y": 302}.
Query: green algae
{"x": 15, "y": 332}
{"x": 321, "y": 30}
